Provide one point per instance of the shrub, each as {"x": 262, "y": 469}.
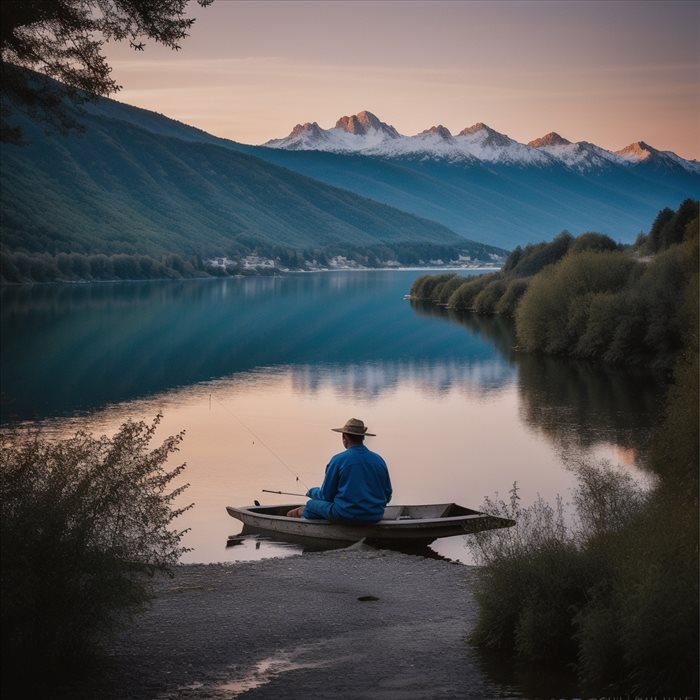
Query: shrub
{"x": 85, "y": 524}
{"x": 616, "y": 596}
{"x": 463, "y": 297}
{"x": 592, "y": 241}
{"x": 444, "y": 291}
{"x": 553, "y": 312}
{"x": 486, "y": 300}
{"x": 536, "y": 256}
{"x": 510, "y": 299}
{"x": 532, "y": 577}
{"x": 422, "y": 288}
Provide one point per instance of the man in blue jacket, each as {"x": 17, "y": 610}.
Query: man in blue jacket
{"x": 356, "y": 487}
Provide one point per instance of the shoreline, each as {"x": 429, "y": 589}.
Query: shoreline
{"x": 365, "y": 623}
{"x": 283, "y": 273}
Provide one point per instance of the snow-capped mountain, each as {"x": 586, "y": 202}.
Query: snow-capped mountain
{"x": 640, "y": 152}
{"x": 582, "y": 155}
{"x": 365, "y": 133}
{"x": 358, "y": 132}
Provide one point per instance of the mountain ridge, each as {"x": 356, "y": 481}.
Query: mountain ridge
{"x": 498, "y": 203}
{"x": 479, "y": 141}
{"x": 135, "y": 182}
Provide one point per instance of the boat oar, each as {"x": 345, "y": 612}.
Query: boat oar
{"x": 285, "y": 493}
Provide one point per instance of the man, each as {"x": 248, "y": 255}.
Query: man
{"x": 356, "y": 487}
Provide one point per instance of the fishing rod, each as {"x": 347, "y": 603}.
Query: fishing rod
{"x": 264, "y": 444}
{"x": 284, "y": 493}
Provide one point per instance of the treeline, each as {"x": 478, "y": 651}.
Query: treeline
{"x": 21, "y": 267}
{"x": 589, "y": 297}
{"x": 18, "y": 268}
{"x": 613, "y": 596}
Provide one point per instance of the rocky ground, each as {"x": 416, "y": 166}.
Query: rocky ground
{"x": 358, "y": 623}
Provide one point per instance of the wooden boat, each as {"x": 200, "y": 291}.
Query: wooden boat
{"x": 402, "y": 525}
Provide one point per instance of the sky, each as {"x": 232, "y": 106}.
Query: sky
{"x": 610, "y": 72}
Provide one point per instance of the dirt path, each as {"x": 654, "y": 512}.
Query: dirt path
{"x": 299, "y": 628}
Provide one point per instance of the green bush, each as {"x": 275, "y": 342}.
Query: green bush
{"x": 463, "y": 297}
{"x": 444, "y": 291}
{"x": 523, "y": 262}
{"x": 553, "y": 313}
{"x": 487, "y": 299}
{"x": 532, "y": 577}
{"x": 424, "y": 287}
{"x": 86, "y": 522}
{"x": 671, "y": 227}
{"x": 616, "y": 596}
{"x": 592, "y": 241}
{"x": 514, "y": 291}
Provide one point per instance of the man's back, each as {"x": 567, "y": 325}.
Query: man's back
{"x": 357, "y": 481}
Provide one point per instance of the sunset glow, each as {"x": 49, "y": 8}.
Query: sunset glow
{"x": 607, "y": 72}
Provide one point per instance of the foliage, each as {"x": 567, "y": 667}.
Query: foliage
{"x": 593, "y": 241}
{"x": 18, "y": 268}
{"x": 607, "y": 305}
{"x": 670, "y": 228}
{"x": 464, "y": 296}
{"x": 155, "y": 191}
{"x": 536, "y": 256}
{"x": 510, "y": 299}
{"x": 590, "y": 298}
{"x": 64, "y": 40}
{"x": 486, "y": 300}
{"x": 554, "y": 310}
{"x": 531, "y": 576}
{"x": 427, "y": 287}
{"x": 616, "y": 596}
{"x": 86, "y": 522}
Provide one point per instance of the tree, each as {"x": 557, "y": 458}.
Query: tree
{"x": 86, "y": 523}
{"x": 64, "y": 39}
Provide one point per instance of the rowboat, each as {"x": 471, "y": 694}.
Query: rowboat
{"x": 401, "y": 525}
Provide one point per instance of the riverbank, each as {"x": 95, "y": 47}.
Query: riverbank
{"x": 356, "y": 623}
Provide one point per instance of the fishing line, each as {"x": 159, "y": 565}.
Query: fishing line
{"x": 259, "y": 439}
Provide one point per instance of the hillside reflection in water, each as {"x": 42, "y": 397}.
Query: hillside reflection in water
{"x": 257, "y": 371}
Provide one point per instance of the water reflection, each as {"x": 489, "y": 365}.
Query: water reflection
{"x": 371, "y": 380}
{"x": 251, "y": 364}
{"x": 250, "y": 544}
{"x": 77, "y": 348}
{"x": 576, "y": 404}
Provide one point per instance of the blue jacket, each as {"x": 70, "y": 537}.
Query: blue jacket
{"x": 356, "y": 487}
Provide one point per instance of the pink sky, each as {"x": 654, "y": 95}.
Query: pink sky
{"x": 607, "y": 72}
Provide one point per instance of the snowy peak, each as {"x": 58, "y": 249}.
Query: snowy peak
{"x": 486, "y": 135}
{"x": 365, "y": 133}
{"x": 550, "y": 139}
{"x": 364, "y": 123}
{"x": 438, "y": 130}
{"x": 637, "y": 151}
{"x": 641, "y": 152}
{"x": 303, "y": 137}
{"x": 310, "y": 129}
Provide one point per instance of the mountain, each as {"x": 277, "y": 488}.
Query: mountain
{"x": 488, "y": 187}
{"x": 371, "y": 136}
{"x": 137, "y": 182}
{"x": 640, "y": 152}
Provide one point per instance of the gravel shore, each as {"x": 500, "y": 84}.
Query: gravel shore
{"x": 357, "y": 623}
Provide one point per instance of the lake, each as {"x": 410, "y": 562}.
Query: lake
{"x": 257, "y": 371}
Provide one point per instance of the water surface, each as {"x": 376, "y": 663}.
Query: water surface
{"x": 258, "y": 370}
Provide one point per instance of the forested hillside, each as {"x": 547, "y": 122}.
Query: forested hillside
{"x": 590, "y": 297}
{"x": 169, "y": 203}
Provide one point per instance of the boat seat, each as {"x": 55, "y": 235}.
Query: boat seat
{"x": 392, "y": 512}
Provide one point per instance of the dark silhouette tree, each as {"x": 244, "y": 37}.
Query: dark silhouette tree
{"x": 63, "y": 40}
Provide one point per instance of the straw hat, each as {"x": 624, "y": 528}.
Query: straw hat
{"x": 354, "y": 426}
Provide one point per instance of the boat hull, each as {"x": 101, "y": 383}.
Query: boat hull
{"x": 402, "y": 525}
